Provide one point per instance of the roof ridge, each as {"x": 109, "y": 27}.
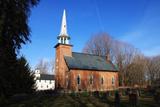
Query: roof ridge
{"x": 89, "y": 54}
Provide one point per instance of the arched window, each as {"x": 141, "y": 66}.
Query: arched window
{"x": 78, "y": 79}
{"x": 102, "y": 80}
{"x": 91, "y": 79}
{"x": 113, "y": 80}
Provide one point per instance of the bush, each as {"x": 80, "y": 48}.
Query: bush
{"x": 85, "y": 93}
{"x": 96, "y": 93}
{"x": 103, "y": 95}
{"x": 73, "y": 94}
{"x": 19, "y": 97}
{"x": 100, "y": 94}
{"x": 157, "y": 96}
{"x": 3, "y": 101}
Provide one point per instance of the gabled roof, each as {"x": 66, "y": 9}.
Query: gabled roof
{"x": 46, "y": 77}
{"x": 89, "y": 62}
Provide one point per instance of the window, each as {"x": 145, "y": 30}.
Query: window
{"x": 61, "y": 40}
{"x": 91, "y": 79}
{"x": 78, "y": 79}
{"x": 102, "y": 80}
{"x": 113, "y": 80}
{"x": 64, "y": 40}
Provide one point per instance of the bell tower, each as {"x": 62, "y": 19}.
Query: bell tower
{"x": 63, "y": 48}
{"x": 63, "y": 37}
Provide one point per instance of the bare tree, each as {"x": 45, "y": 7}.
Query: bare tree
{"x": 52, "y": 66}
{"x": 136, "y": 71}
{"x": 99, "y": 44}
{"x": 45, "y": 67}
{"x": 122, "y": 54}
{"x": 153, "y": 69}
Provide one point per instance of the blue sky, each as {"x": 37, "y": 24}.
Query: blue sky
{"x": 134, "y": 21}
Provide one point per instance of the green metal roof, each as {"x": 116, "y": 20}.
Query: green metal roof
{"x": 89, "y": 62}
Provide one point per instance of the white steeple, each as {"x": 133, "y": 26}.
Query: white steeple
{"x": 64, "y": 25}
{"x": 63, "y": 36}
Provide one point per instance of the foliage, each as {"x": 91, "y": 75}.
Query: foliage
{"x": 156, "y": 90}
{"x": 24, "y": 77}
{"x": 157, "y": 96}
{"x": 14, "y": 28}
{"x": 14, "y": 32}
{"x": 73, "y": 94}
{"x": 85, "y": 93}
{"x": 19, "y": 80}
{"x": 3, "y": 100}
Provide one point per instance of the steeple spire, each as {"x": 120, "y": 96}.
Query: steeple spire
{"x": 63, "y": 36}
{"x": 64, "y": 25}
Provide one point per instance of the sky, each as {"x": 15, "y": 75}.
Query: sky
{"x": 133, "y": 21}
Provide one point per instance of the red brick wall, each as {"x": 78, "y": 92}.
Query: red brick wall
{"x": 68, "y": 79}
{"x": 60, "y": 65}
{"x": 85, "y": 85}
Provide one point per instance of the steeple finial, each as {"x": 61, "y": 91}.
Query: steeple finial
{"x": 64, "y": 25}
{"x": 63, "y": 36}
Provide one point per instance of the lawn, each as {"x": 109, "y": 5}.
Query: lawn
{"x": 142, "y": 102}
{"x": 78, "y": 100}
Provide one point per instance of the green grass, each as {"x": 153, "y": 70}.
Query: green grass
{"x": 142, "y": 102}
{"x": 78, "y": 100}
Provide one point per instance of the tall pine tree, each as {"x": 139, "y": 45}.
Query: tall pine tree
{"x": 14, "y": 31}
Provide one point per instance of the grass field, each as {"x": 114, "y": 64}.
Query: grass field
{"x": 66, "y": 100}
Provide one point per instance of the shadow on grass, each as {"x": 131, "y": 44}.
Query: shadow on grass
{"x": 142, "y": 102}
{"x": 78, "y": 100}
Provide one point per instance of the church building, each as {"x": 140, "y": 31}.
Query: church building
{"x": 81, "y": 71}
